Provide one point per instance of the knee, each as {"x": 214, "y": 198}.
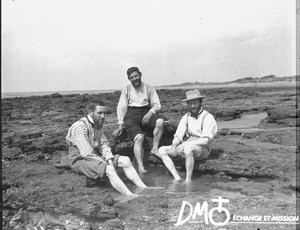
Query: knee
{"x": 125, "y": 161}
{"x": 160, "y": 123}
{"x": 188, "y": 150}
{"x": 139, "y": 139}
{"x": 110, "y": 171}
{"x": 162, "y": 151}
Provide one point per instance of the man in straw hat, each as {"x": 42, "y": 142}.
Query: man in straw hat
{"x": 192, "y": 139}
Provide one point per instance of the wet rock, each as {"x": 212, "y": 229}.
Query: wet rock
{"x": 35, "y": 157}
{"x": 237, "y": 167}
{"x": 283, "y": 115}
{"x": 273, "y": 138}
{"x": 227, "y": 178}
{"x": 55, "y": 226}
{"x": 18, "y": 216}
{"x": 230, "y": 186}
{"x": 251, "y": 135}
{"x": 243, "y": 179}
{"x": 106, "y": 213}
{"x": 6, "y": 184}
{"x": 224, "y": 176}
{"x": 217, "y": 166}
{"x": 290, "y": 122}
{"x": 248, "y": 188}
{"x": 55, "y": 95}
{"x": 11, "y": 153}
{"x": 154, "y": 160}
{"x": 251, "y": 192}
{"x": 115, "y": 223}
{"x": 67, "y": 187}
{"x": 5, "y": 214}
{"x": 226, "y": 114}
{"x": 164, "y": 205}
{"x": 292, "y": 185}
{"x": 99, "y": 183}
{"x": 224, "y": 131}
{"x": 19, "y": 219}
{"x": 109, "y": 201}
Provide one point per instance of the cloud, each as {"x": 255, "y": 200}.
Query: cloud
{"x": 90, "y": 45}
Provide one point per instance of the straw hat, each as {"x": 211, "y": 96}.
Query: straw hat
{"x": 193, "y": 94}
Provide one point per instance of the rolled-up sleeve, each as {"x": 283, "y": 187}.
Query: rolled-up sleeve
{"x": 182, "y": 128}
{"x": 105, "y": 149}
{"x": 154, "y": 101}
{"x": 209, "y": 127}
{"x": 122, "y": 107}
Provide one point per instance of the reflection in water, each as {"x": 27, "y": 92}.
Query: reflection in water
{"x": 158, "y": 176}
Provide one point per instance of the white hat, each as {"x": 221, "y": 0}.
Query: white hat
{"x": 193, "y": 94}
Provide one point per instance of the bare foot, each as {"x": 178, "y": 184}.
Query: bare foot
{"x": 154, "y": 152}
{"x": 177, "y": 179}
{"x": 187, "y": 181}
{"x": 142, "y": 170}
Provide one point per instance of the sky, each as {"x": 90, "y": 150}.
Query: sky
{"x": 70, "y": 45}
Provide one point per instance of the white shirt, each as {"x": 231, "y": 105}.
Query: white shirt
{"x": 145, "y": 95}
{"x": 204, "y": 126}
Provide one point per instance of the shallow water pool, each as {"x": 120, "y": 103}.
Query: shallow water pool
{"x": 158, "y": 176}
{"x": 246, "y": 121}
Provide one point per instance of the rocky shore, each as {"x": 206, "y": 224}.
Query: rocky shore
{"x": 36, "y": 195}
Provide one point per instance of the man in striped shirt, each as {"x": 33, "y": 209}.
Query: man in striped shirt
{"x": 193, "y": 136}
{"x": 90, "y": 154}
{"x": 137, "y": 112}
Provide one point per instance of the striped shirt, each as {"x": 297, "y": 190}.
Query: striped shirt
{"x": 92, "y": 143}
{"x": 145, "y": 95}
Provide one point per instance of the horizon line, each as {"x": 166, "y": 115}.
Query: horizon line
{"x": 170, "y": 85}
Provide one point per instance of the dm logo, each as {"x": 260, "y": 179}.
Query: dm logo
{"x": 203, "y": 210}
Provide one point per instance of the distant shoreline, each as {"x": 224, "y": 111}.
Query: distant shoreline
{"x": 233, "y": 85}
{"x": 43, "y": 93}
{"x": 199, "y": 86}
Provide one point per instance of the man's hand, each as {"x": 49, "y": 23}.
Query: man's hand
{"x": 118, "y": 131}
{"x": 173, "y": 149}
{"x": 146, "y": 118}
{"x": 174, "y": 146}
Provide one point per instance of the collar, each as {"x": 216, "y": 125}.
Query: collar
{"x": 201, "y": 110}
{"x": 141, "y": 86}
{"x": 90, "y": 120}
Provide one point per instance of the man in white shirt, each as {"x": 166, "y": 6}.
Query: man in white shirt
{"x": 137, "y": 111}
{"x": 192, "y": 139}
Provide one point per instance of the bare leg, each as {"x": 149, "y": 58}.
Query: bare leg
{"x": 189, "y": 166}
{"x": 163, "y": 154}
{"x": 157, "y": 134}
{"x": 115, "y": 181}
{"x": 189, "y": 160}
{"x": 138, "y": 153}
{"x": 130, "y": 171}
